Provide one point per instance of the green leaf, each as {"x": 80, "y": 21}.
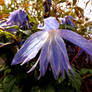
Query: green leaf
{"x": 61, "y": 79}
{"x": 7, "y": 71}
{"x": 15, "y": 89}
{"x": 2, "y": 68}
{"x": 50, "y": 89}
{"x": 6, "y": 36}
{"x": 84, "y": 71}
{"x": 1, "y": 89}
{"x": 65, "y": 26}
{"x": 65, "y": 89}
{"x": 35, "y": 89}
{"x": 12, "y": 27}
{"x": 26, "y": 32}
{"x": 75, "y": 80}
{"x": 8, "y": 83}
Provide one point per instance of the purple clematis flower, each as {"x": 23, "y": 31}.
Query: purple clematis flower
{"x": 53, "y": 48}
{"x": 18, "y": 17}
{"x": 68, "y": 20}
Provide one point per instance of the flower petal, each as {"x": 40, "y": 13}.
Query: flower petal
{"x": 22, "y": 15}
{"x": 19, "y": 17}
{"x": 30, "y": 48}
{"x": 70, "y": 17}
{"x": 54, "y": 58}
{"x": 50, "y": 24}
{"x": 44, "y": 59}
{"x": 33, "y": 67}
{"x": 64, "y": 60}
{"x": 69, "y": 21}
{"x": 77, "y": 40}
{"x": 3, "y": 25}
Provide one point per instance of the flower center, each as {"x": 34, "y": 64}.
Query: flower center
{"x": 53, "y": 34}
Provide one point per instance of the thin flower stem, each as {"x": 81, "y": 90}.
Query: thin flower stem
{"x": 86, "y": 76}
{"x": 75, "y": 55}
{"x": 47, "y": 5}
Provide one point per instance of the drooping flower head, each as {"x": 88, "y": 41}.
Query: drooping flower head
{"x": 53, "y": 48}
{"x": 18, "y": 17}
{"x": 68, "y": 20}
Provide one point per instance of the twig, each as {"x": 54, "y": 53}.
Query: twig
{"x": 75, "y": 55}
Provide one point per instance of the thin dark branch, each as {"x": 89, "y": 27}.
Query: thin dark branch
{"x": 47, "y": 5}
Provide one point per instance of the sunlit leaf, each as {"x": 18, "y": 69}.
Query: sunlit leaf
{"x": 87, "y": 2}
{"x": 79, "y": 11}
{"x": 84, "y": 71}
{"x": 26, "y": 5}
{"x": 1, "y": 2}
{"x": 4, "y": 16}
{"x": 7, "y": 35}
{"x": 74, "y": 2}
{"x": 2, "y": 61}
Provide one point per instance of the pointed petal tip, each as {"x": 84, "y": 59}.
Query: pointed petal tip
{"x": 34, "y": 66}
{"x": 39, "y": 77}
{"x": 29, "y": 71}
{"x": 22, "y": 64}
{"x": 13, "y": 62}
